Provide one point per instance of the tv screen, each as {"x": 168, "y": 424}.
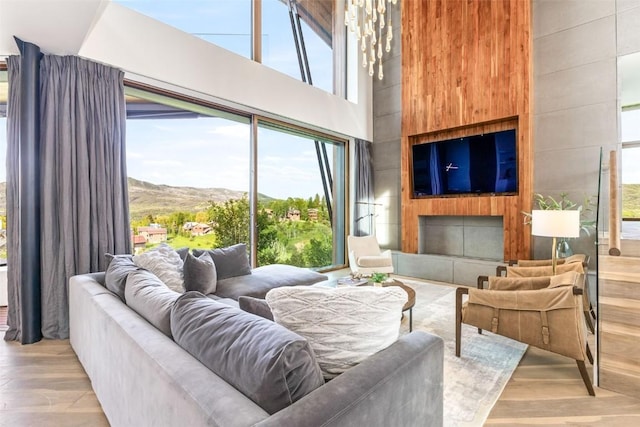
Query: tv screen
{"x": 479, "y": 164}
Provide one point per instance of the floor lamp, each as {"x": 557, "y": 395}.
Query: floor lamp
{"x": 552, "y": 223}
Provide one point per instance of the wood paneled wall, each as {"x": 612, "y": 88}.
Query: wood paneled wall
{"x": 619, "y": 324}
{"x": 466, "y": 65}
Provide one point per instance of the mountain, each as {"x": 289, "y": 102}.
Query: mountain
{"x": 147, "y": 198}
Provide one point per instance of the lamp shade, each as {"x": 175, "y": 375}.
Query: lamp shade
{"x": 550, "y": 223}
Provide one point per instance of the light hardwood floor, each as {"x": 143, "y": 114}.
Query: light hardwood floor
{"x": 43, "y": 385}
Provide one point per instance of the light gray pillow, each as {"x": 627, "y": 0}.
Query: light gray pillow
{"x": 115, "y": 277}
{"x": 164, "y": 262}
{"x": 148, "y": 296}
{"x": 231, "y": 261}
{"x": 200, "y": 273}
{"x": 343, "y": 325}
{"x": 269, "y": 364}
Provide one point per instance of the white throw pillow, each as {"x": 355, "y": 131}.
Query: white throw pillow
{"x": 343, "y": 325}
{"x": 164, "y": 262}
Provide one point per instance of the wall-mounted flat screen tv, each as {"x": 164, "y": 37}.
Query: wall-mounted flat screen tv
{"x": 478, "y": 164}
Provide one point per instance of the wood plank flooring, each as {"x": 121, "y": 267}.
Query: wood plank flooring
{"x": 43, "y": 384}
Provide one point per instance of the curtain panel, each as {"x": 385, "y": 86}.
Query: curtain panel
{"x": 14, "y": 278}
{"x": 84, "y": 198}
{"x": 364, "y": 212}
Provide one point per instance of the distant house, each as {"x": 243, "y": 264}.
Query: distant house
{"x": 293, "y": 215}
{"x": 313, "y": 214}
{"x": 200, "y": 229}
{"x": 139, "y": 243}
{"x": 188, "y": 226}
{"x": 153, "y": 234}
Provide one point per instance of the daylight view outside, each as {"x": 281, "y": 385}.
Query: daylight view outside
{"x": 189, "y": 173}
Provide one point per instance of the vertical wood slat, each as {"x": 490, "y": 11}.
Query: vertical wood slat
{"x": 465, "y": 65}
{"x": 619, "y": 324}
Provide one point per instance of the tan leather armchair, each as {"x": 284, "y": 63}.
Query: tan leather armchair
{"x": 545, "y": 312}
{"x": 536, "y": 268}
{"x": 365, "y": 256}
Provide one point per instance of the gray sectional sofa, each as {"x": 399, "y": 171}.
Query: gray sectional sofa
{"x": 142, "y": 377}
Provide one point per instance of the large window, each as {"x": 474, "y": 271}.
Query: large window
{"x": 630, "y": 129}
{"x": 228, "y": 24}
{"x": 189, "y": 170}
{"x": 279, "y": 46}
{"x": 300, "y": 179}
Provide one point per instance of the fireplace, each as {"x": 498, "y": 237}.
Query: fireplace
{"x": 478, "y": 237}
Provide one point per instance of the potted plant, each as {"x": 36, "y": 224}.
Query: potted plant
{"x": 542, "y": 202}
{"x": 378, "y": 278}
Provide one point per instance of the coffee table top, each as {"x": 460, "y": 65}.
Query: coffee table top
{"x": 409, "y": 290}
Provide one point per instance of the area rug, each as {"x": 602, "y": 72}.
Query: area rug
{"x": 473, "y": 382}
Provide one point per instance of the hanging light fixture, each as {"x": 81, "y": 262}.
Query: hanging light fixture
{"x": 367, "y": 20}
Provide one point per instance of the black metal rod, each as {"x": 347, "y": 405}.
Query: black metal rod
{"x": 303, "y": 49}
{"x": 305, "y": 73}
{"x": 29, "y": 192}
{"x": 324, "y": 183}
{"x": 295, "y": 39}
{"x": 327, "y": 166}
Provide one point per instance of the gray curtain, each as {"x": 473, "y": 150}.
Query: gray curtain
{"x": 14, "y": 278}
{"x": 84, "y": 203}
{"x": 364, "y": 218}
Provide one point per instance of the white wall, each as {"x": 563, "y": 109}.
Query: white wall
{"x": 157, "y": 54}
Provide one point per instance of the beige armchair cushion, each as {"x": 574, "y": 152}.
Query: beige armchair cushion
{"x": 365, "y": 256}
{"x": 549, "y": 318}
{"x": 581, "y": 258}
{"x": 544, "y": 270}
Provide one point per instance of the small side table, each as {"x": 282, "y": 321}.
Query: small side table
{"x": 411, "y": 302}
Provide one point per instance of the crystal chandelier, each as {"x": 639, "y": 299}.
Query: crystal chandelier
{"x": 366, "y": 18}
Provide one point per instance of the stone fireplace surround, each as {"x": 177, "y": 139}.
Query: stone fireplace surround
{"x": 454, "y": 249}
{"x": 477, "y": 237}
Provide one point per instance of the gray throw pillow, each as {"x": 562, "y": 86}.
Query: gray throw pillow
{"x": 164, "y": 262}
{"x": 231, "y": 261}
{"x": 256, "y": 306}
{"x": 119, "y": 268}
{"x": 148, "y": 296}
{"x": 269, "y": 364}
{"x": 200, "y": 273}
{"x": 182, "y": 252}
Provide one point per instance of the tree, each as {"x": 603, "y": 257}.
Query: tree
{"x": 318, "y": 253}
{"x": 231, "y": 221}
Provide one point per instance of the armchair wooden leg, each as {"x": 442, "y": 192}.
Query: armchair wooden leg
{"x": 481, "y": 281}
{"x": 587, "y": 318}
{"x": 585, "y": 377}
{"x": 589, "y": 355}
{"x": 459, "y": 293}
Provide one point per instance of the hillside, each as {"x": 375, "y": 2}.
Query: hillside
{"x": 146, "y": 198}
{"x": 631, "y": 201}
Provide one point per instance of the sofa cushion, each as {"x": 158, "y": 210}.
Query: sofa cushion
{"x": 115, "y": 277}
{"x": 199, "y": 273}
{"x": 148, "y": 296}
{"x": 164, "y": 262}
{"x": 256, "y": 306}
{"x": 343, "y": 325}
{"x": 265, "y": 278}
{"x": 231, "y": 261}
{"x": 269, "y": 364}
